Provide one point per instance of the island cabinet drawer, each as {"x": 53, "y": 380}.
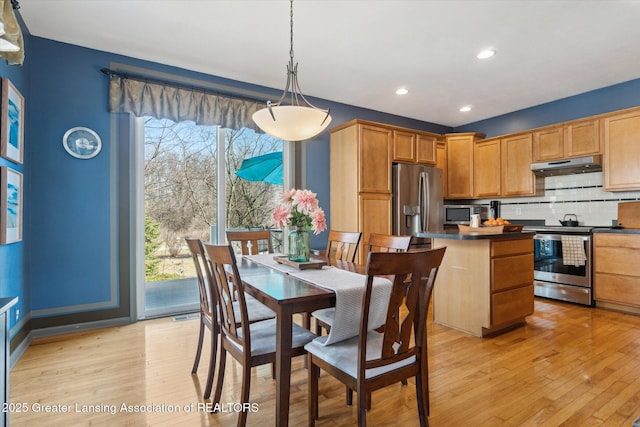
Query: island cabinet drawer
{"x": 510, "y": 306}
{"x": 614, "y": 240}
{"x": 617, "y": 289}
{"x": 511, "y": 247}
{"x": 510, "y": 272}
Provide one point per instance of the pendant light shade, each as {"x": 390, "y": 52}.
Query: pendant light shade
{"x": 292, "y": 122}
{"x": 299, "y": 120}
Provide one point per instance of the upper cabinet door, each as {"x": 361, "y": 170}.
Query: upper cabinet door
{"x": 404, "y": 146}
{"x": 517, "y": 155}
{"x": 441, "y": 162}
{"x": 621, "y": 152}
{"x": 548, "y": 144}
{"x": 460, "y": 165}
{"x": 582, "y": 138}
{"x": 426, "y": 149}
{"x": 486, "y": 168}
{"x": 375, "y": 159}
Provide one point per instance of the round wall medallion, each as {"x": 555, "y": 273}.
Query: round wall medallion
{"x": 82, "y": 143}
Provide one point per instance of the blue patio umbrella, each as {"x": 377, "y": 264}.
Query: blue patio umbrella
{"x": 266, "y": 168}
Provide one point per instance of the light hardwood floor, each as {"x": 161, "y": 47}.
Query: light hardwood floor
{"x": 570, "y": 365}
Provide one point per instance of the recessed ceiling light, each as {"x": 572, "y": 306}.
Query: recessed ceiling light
{"x": 465, "y": 108}
{"x": 402, "y": 91}
{"x": 487, "y": 53}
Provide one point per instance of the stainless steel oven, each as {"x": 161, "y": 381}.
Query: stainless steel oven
{"x": 557, "y": 274}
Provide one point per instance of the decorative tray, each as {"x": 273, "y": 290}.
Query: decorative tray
{"x": 491, "y": 229}
{"x": 316, "y": 263}
{"x": 485, "y": 229}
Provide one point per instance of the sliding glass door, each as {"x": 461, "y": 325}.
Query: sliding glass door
{"x": 185, "y": 188}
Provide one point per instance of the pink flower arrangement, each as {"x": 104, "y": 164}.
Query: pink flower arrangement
{"x": 300, "y": 209}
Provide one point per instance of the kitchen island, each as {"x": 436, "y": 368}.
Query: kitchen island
{"x": 485, "y": 282}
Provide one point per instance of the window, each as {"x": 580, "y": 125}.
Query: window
{"x": 188, "y": 191}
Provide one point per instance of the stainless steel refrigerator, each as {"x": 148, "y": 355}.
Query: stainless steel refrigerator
{"x": 417, "y": 200}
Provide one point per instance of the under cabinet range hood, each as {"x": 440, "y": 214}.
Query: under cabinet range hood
{"x": 568, "y": 166}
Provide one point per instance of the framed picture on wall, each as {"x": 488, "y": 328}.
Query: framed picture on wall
{"x": 11, "y": 123}
{"x": 10, "y": 205}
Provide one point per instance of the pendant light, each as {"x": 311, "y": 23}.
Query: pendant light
{"x": 299, "y": 120}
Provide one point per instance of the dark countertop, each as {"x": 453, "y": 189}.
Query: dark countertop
{"x": 616, "y": 230}
{"x": 456, "y": 235}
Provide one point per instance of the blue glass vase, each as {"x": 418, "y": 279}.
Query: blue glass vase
{"x": 299, "y": 245}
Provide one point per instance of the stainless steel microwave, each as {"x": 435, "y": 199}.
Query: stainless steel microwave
{"x": 461, "y": 214}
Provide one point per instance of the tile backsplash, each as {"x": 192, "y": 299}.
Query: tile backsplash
{"x": 579, "y": 194}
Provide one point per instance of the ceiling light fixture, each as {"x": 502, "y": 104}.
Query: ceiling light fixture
{"x": 487, "y": 53}
{"x": 295, "y": 122}
{"x": 402, "y": 91}
{"x": 465, "y": 109}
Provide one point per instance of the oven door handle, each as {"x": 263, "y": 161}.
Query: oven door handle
{"x": 557, "y": 237}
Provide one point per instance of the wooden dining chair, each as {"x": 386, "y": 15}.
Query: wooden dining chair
{"x": 374, "y": 360}
{"x": 378, "y": 243}
{"x": 251, "y": 242}
{"x": 388, "y": 243}
{"x": 209, "y": 313}
{"x": 251, "y": 344}
{"x": 342, "y": 245}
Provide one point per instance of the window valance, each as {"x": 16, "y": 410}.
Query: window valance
{"x": 167, "y": 101}
{"x": 10, "y": 33}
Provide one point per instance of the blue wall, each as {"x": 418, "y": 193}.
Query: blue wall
{"x": 74, "y": 222}
{"x": 68, "y": 261}
{"x": 612, "y": 98}
{"x": 14, "y": 270}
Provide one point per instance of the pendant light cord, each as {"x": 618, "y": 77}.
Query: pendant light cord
{"x": 291, "y": 31}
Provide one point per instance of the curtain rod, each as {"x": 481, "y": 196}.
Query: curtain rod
{"x": 147, "y": 79}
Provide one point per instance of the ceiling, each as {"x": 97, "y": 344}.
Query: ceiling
{"x": 359, "y": 52}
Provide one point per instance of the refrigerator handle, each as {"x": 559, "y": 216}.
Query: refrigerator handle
{"x": 423, "y": 200}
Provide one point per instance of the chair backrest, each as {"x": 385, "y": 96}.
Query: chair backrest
{"x": 414, "y": 274}
{"x": 229, "y": 288}
{"x": 343, "y": 245}
{"x": 205, "y": 286}
{"x": 388, "y": 243}
{"x": 251, "y": 242}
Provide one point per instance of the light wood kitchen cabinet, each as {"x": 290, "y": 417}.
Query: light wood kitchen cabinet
{"x": 360, "y": 179}
{"x": 426, "y": 148}
{"x": 404, "y": 146}
{"x": 374, "y": 159}
{"x": 517, "y": 156}
{"x": 375, "y": 216}
{"x": 582, "y": 138}
{"x": 441, "y": 162}
{"x": 572, "y": 139}
{"x": 511, "y": 281}
{"x": 548, "y": 144}
{"x": 484, "y": 286}
{"x": 616, "y": 270}
{"x": 621, "y": 135}
{"x": 414, "y": 147}
{"x": 460, "y": 164}
{"x": 486, "y": 168}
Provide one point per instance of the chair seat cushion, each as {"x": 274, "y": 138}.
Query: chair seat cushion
{"x": 263, "y": 337}
{"x": 325, "y": 315}
{"x": 344, "y": 355}
{"x": 255, "y": 310}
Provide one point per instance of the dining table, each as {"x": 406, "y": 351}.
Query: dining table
{"x": 284, "y": 291}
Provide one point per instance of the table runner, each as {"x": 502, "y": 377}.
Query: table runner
{"x": 349, "y": 289}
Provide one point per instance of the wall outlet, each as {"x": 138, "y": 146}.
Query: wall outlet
{"x": 518, "y": 211}
{"x": 17, "y": 314}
